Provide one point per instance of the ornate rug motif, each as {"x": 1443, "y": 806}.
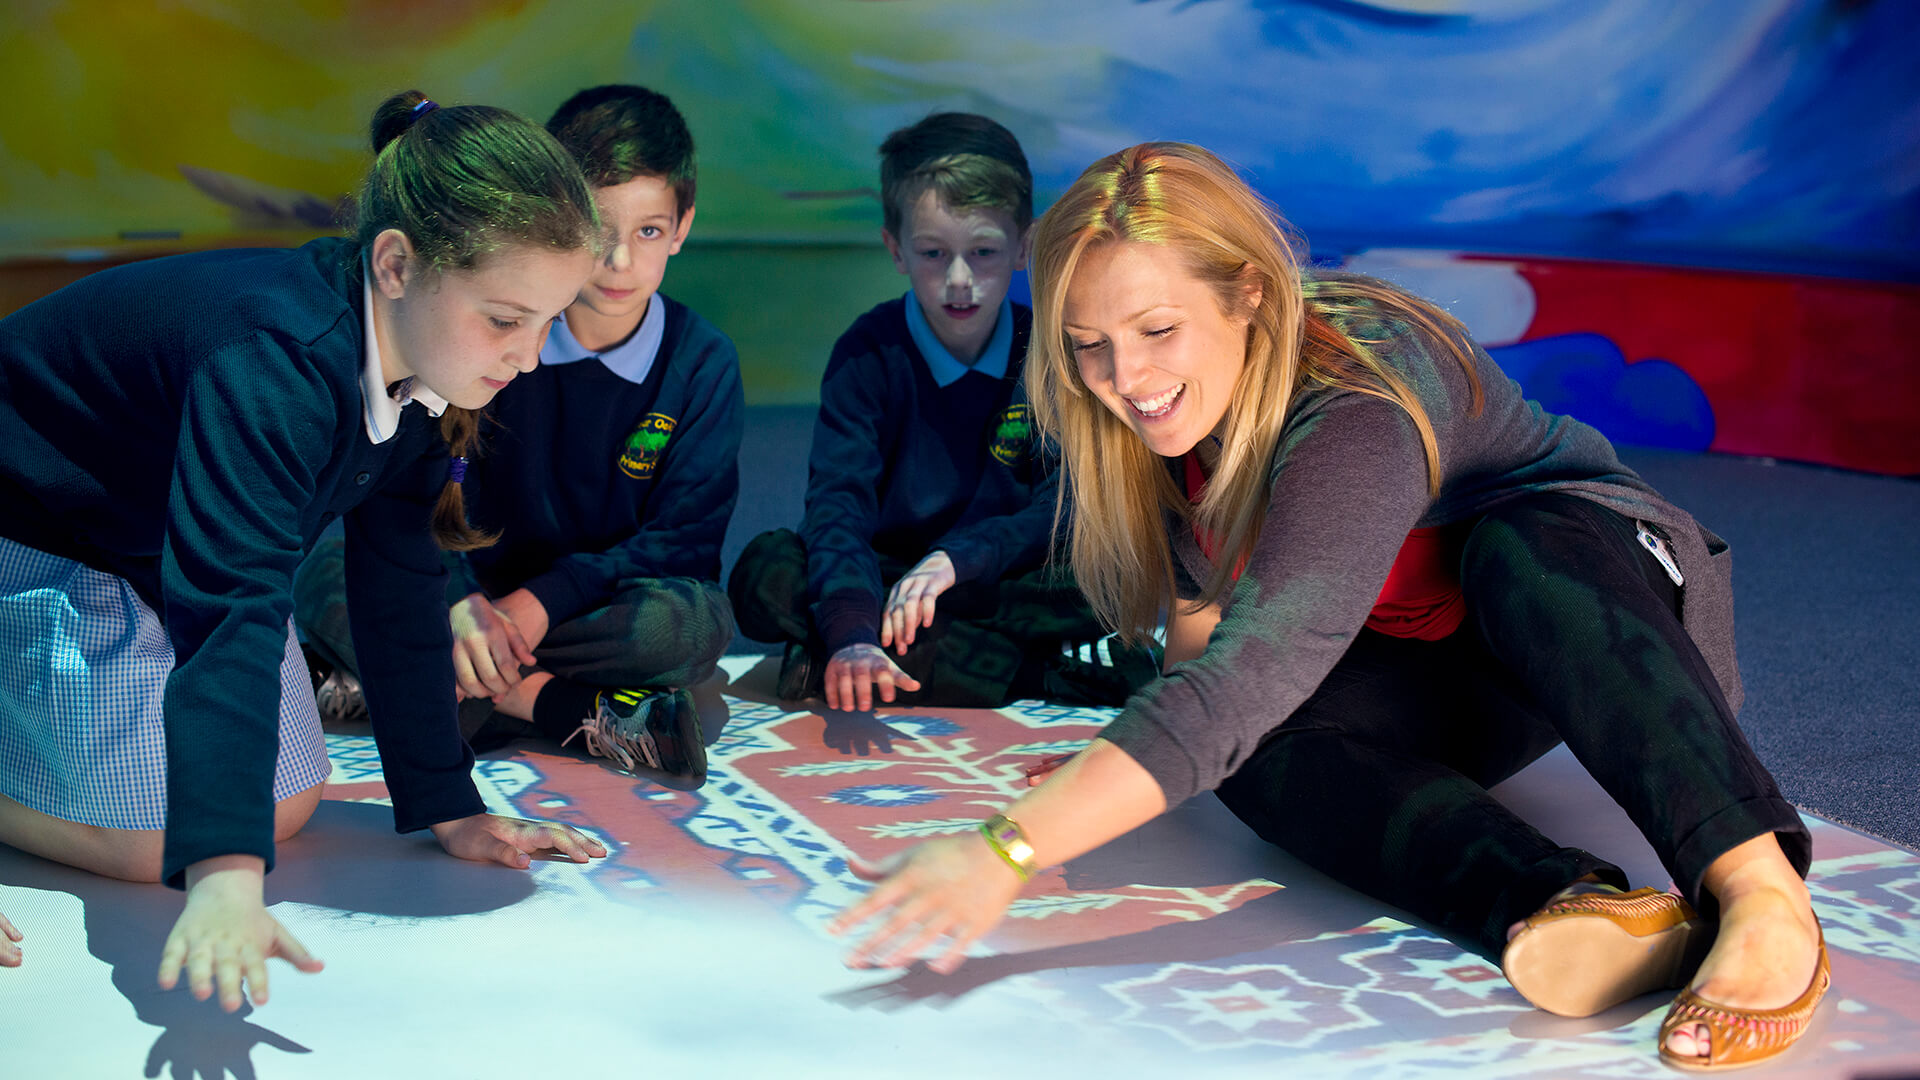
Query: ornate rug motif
{"x": 1242, "y": 973}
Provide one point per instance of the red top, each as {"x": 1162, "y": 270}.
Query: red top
{"x": 1421, "y": 598}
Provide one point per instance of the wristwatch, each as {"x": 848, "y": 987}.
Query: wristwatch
{"x": 1007, "y": 841}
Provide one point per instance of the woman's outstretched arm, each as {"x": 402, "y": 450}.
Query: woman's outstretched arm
{"x": 957, "y": 888}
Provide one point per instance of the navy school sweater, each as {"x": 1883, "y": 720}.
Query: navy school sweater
{"x": 901, "y": 466}
{"x": 593, "y": 480}
{"x": 191, "y": 424}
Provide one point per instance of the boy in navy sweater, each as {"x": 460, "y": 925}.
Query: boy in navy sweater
{"x": 929, "y": 506}
{"x": 610, "y": 472}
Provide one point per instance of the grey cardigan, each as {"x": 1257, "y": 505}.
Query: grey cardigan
{"x": 1349, "y": 480}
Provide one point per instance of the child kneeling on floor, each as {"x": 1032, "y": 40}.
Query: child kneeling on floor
{"x": 174, "y": 435}
{"x": 609, "y": 472}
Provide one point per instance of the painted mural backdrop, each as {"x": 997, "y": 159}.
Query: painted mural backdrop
{"x": 1778, "y": 136}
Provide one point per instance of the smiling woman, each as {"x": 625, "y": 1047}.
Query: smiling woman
{"x": 1390, "y": 583}
{"x": 162, "y": 472}
{"x": 1156, "y": 345}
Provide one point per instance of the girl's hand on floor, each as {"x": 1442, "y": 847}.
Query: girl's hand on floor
{"x": 10, "y": 955}
{"x": 955, "y": 888}
{"x": 225, "y": 936}
{"x": 511, "y": 841}
{"x": 910, "y": 604}
{"x": 488, "y": 649}
{"x": 853, "y": 673}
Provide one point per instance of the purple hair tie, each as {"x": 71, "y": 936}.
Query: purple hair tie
{"x": 423, "y": 107}
{"x": 457, "y": 470}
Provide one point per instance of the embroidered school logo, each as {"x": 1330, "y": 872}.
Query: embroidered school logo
{"x": 1012, "y": 436}
{"x": 642, "y": 448}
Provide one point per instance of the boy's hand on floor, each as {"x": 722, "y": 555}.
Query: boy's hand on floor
{"x": 510, "y": 841}
{"x": 910, "y": 604}
{"x": 225, "y": 935}
{"x": 488, "y": 647}
{"x": 853, "y": 673}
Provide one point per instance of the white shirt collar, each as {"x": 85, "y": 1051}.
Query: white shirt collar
{"x": 632, "y": 359}
{"x": 943, "y": 365}
{"x": 381, "y": 410}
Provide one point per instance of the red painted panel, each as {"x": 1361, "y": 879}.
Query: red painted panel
{"x": 1814, "y": 369}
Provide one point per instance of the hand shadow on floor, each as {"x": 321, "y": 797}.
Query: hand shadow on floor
{"x": 1197, "y": 845}
{"x": 346, "y": 859}
{"x": 858, "y": 734}
{"x": 851, "y": 733}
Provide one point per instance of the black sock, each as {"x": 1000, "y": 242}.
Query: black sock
{"x": 562, "y": 706}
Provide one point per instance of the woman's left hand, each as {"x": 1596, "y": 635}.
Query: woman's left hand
{"x": 954, "y": 887}
{"x": 511, "y": 841}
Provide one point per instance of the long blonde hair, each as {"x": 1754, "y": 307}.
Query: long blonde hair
{"x": 1300, "y": 334}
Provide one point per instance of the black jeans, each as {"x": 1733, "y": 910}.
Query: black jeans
{"x": 1572, "y": 634}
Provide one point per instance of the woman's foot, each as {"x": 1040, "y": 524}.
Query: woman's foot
{"x": 1768, "y": 948}
{"x": 1763, "y": 958}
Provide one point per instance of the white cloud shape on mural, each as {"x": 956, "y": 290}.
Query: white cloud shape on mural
{"x": 1493, "y": 299}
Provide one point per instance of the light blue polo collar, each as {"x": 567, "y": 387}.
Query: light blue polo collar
{"x": 632, "y": 359}
{"x": 945, "y": 369}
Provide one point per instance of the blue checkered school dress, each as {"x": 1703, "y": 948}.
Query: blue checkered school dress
{"x": 83, "y": 661}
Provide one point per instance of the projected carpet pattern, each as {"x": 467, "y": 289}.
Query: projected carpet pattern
{"x": 1230, "y": 966}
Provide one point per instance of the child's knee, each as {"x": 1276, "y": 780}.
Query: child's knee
{"x": 719, "y": 621}
{"x": 768, "y": 586}
{"x": 706, "y": 627}
{"x": 292, "y": 813}
{"x": 775, "y": 554}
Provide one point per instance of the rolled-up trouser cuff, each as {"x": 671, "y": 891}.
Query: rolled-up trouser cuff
{"x": 1529, "y": 891}
{"x": 1727, "y": 829}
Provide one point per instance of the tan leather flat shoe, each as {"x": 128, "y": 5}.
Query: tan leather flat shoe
{"x": 1588, "y": 952}
{"x": 1737, "y": 1037}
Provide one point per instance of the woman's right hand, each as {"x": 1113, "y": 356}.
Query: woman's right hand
{"x": 225, "y": 936}
{"x": 10, "y": 955}
{"x": 488, "y": 649}
{"x": 853, "y": 673}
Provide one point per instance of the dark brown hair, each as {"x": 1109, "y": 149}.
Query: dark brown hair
{"x": 618, "y": 132}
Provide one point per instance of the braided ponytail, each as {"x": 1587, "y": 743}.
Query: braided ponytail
{"x": 451, "y": 530}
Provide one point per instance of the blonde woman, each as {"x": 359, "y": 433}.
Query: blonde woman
{"x": 1390, "y": 582}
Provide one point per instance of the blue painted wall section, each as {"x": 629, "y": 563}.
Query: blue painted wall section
{"x": 1649, "y": 402}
